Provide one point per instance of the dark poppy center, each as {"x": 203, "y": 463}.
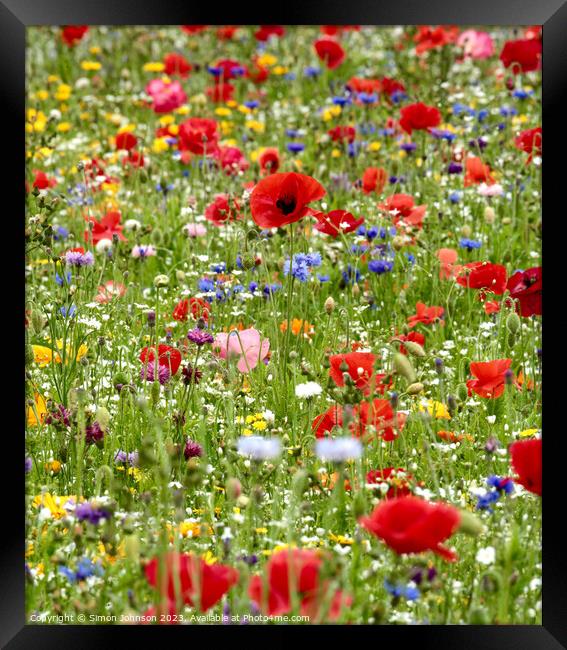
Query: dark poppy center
{"x": 286, "y": 204}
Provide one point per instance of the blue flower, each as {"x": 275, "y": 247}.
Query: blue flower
{"x": 342, "y": 101}
{"x": 469, "y": 244}
{"x": 311, "y": 71}
{"x": 205, "y": 284}
{"x": 350, "y": 276}
{"x": 455, "y": 197}
{"x": 60, "y": 233}
{"x": 380, "y": 266}
{"x": 295, "y": 147}
{"x": 68, "y": 313}
{"x": 63, "y": 280}
{"x": 252, "y": 287}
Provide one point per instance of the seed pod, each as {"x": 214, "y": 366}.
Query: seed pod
{"x": 299, "y": 483}
{"x": 489, "y": 215}
{"x": 155, "y": 392}
{"x": 414, "y": 389}
{"x": 469, "y": 524}
{"x": 329, "y": 305}
{"x": 102, "y": 416}
{"x": 161, "y": 280}
{"x": 513, "y": 323}
{"x": 402, "y": 366}
{"x": 37, "y": 321}
{"x": 414, "y": 348}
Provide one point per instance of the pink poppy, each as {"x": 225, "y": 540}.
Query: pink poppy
{"x": 477, "y": 45}
{"x": 246, "y": 344}
{"x": 167, "y": 96}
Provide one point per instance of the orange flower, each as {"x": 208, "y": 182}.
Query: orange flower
{"x": 297, "y": 325}
{"x": 450, "y": 436}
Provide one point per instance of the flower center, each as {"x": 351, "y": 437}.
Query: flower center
{"x": 286, "y": 204}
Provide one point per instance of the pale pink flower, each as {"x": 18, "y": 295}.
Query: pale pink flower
{"x": 247, "y": 345}
{"x": 490, "y": 190}
{"x": 477, "y": 45}
{"x": 110, "y": 290}
{"x": 194, "y": 230}
{"x": 167, "y": 95}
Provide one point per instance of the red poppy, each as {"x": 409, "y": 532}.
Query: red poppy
{"x": 126, "y": 140}
{"x": 491, "y": 307}
{"x": 176, "y": 64}
{"x": 526, "y": 287}
{"x": 490, "y": 378}
{"x": 330, "y": 52}
{"x": 134, "y": 159}
{"x": 189, "y": 573}
{"x": 258, "y": 73}
{"x": 199, "y": 309}
{"x": 167, "y": 356}
{"x": 301, "y": 568}
{"x": 391, "y": 86}
{"x": 530, "y": 142}
{"x": 281, "y": 199}
{"x": 413, "y": 337}
{"x": 377, "y": 414}
{"x": 337, "y": 221}
{"x": 477, "y": 172}
{"x": 198, "y": 135}
{"x": 484, "y": 276}
{"x": 447, "y": 258}
{"x": 373, "y": 180}
{"x": 42, "y": 181}
{"x": 193, "y": 29}
{"x": 360, "y": 368}
{"x": 333, "y": 30}
{"x": 418, "y": 117}
{"x": 269, "y": 161}
{"x": 231, "y": 69}
{"x": 265, "y": 31}
{"x": 527, "y": 463}
{"x": 232, "y": 160}
{"x": 523, "y": 55}
{"x": 368, "y": 86}
{"x": 425, "y": 315}
{"x": 220, "y": 92}
{"x": 106, "y": 228}
{"x": 409, "y": 524}
{"x": 340, "y": 133}
{"x": 429, "y": 38}
{"x": 227, "y": 33}
{"x": 224, "y": 208}
{"x": 72, "y": 34}
{"x": 397, "y": 480}
{"x": 110, "y": 290}
{"x": 402, "y": 208}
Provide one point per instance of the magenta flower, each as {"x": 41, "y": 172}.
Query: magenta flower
{"x": 247, "y": 345}
{"x": 167, "y": 96}
{"x": 477, "y": 45}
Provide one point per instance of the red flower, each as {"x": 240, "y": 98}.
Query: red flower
{"x": 409, "y": 524}
{"x": 347, "y": 133}
{"x": 176, "y": 64}
{"x": 391, "y": 86}
{"x": 330, "y": 52}
{"x": 337, "y": 221}
{"x": 368, "y": 86}
{"x": 530, "y": 142}
{"x": 167, "y": 356}
{"x": 403, "y": 208}
{"x": 360, "y": 368}
{"x": 300, "y": 568}
{"x": 134, "y": 158}
{"x": 106, "y": 228}
{"x": 227, "y": 33}
{"x": 126, "y": 140}
{"x": 484, "y": 276}
{"x": 418, "y": 117}
{"x": 523, "y": 55}
{"x": 373, "y": 180}
{"x": 429, "y": 38}
{"x": 72, "y": 34}
{"x": 199, "y": 309}
{"x": 265, "y": 31}
{"x": 281, "y": 199}
{"x": 193, "y": 29}
{"x": 490, "y": 378}
{"x": 477, "y": 172}
{"x": 223, "y": 209}
{"x": 231, "y": 69}
{"x": 414, "y": 337}
{"x": 269, "y": 161}
{"x": 425, "y": 315}
{"x": 527, "y": 463}
{"x": 220, "y": 92}
{"x": 198, "y": 135}
{"x": 377, "y": 414}
{"x": 232, "y": 160}
{"x": 191, "y": 573}
{"x": 395, "y": 478}
{"x": 447, "y": 258}
{"x": 42, "y": 181}
{"x": 491, "y": 307}
{"x": 526, "y": 287}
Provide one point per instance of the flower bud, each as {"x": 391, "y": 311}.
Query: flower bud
{"x": 397, "y": 242}
{"x": 479, "y": 616}
{"x": 329, "y": 305}
{"x": 414, "y": 348}
{"x": 462, "y": 392}
{"x": 161, "y": 280}
{"x": 154, "y": 392}
{"x": 157, "y": 236}
{"x": 180, "y": 275}
{"x": 466, "y": 230}
{"x": 402, "y": 366}
{"x": 470, "y": 524}
{"x": 414, "y": 389}
{"x": 233, "y": 488}
{"x": 489, "y": 215}
{"x": 242, "y": 501}
{"x": 102, "y": 416}
{"x": 513, "y": 323}
{"x": 299, "y": 483}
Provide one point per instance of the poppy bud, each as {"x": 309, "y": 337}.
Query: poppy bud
{"x": 157, "y": 236}
{"x": 356, "y": 290}
{"x": 329, "y": 305}
{"x": 397, "y": 242}
{"x": 180, "y": 275}
{"x": 37, "y": 321}
{"x": 161, "y": 280}
{"x": 29, "y": 355}
{"x": 102, "y": 416}
{"x": 462, "y": 392}
{"x": 414, "y": 389}
{"x": 154, "y": 391}
{"x": 233, "y": 488}
{"x": 414, "y": 348}
{"x": 506, "y": 221}
{"x": 469, "y": 524}
{"x": 489, "y": 215}
{"x": 402, "y": 366}
{"x": 466, "y": 230}
{"x": 479, "y": 616}
{"x": 299, "y": 483}
{"x": 513, "y": 323}
{"x": 451, "y": 405}
{"x": 242, "y": 501}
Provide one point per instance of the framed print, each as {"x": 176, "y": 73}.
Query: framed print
{"x": 283, "y": 323}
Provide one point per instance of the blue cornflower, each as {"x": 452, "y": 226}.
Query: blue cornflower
{"x": 342, "y": 101}
{"x": 455, "y": 197}
{"x": 361, "y": 231}
{"x": 252, "y": 287}
{"x": 271, "y": 288}
{"x": 454, "y": 168}
{"x": 299, "y": 269}
{"x": 482, "y": 115}
{"x": 66, "y": 279}
{"x": 313, "y": 260}
{"x": 68, "y": 313}
{"x": 252, "y": 104}
{"x": 60, "y": 233}
{"x": 291, "y": 133}
{"x": 372, "y": 233}
{"x": 238, "y": 288}
{"x": 206, "y": 284}
{"x": 411, "y": 258}
{"x": 380, "y": 266}
{"x": 289, "y": 76}
{"x": 218, "y": 268}
{"x": 506, "y": 111}
{"x": 522, "y": 94}
{"x": 323, "y": 278}
{"x": 443, "y": 134}
{"x": 469, "y": 244}
{"x": 398, "y": 96}
{"x": 350, "y": 276}
{"x": 367, "y": 98}
{"x": 408, "y": 146}
{"x": 312, "y": 71}
{"x": 295, "y": 147}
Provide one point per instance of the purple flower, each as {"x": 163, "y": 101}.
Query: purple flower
{"x": 192, "y": 449}
{"x": 94, "y": 434}
{"x": 28, "y": 464}
{"x": 59, "y": 417}
{"x": 91, "y": 513}
{"x": 200, "y": 337}
{"x": 147, "y": 372}
{"x": 76, "y": 258}
{"x": 191, "y": 375}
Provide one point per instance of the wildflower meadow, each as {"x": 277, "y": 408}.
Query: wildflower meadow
{"x": 283, "y": 325}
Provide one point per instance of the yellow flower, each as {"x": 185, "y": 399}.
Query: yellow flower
{"x": 528, "y": 432}
{"x": 63, "y": 127}
{"x": 223, "y": 111}
{"x": 94, "y": 50}
{"x": 42, "y": 355}
{"x": 41, "y": 95}
{"x": 336, "y": 153}
{"x": 374, "y": 146}
{"x": 194, "y": 529}
{"x": 341, "y": 539}
{"x": 53, "y": 466}
{"x": 55, "y": 504}
{"x": 90, "y": 65}
{"x": 260, "y": 425}
{"x": 261, "y": 531}
{"x": 63, "y": 93}
{"x": 209, "y": 558}
{"x": 165, "y": 120}
{"x": 226, "y": 127}
{"x": 183, "y": 110}
{"x": 40, "y": 409}
{"x": 160, "y": 145}
{"x": 435, "y": 409}
{"x": 329, "y": 113}
{"x": 154, "y": 66}
{"x": 246, "y": 432}
{"x": 267, "y": 60}
{"x": 280, "y": 69}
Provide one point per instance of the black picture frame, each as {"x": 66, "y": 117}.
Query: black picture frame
{"x": 15, "y": 16}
